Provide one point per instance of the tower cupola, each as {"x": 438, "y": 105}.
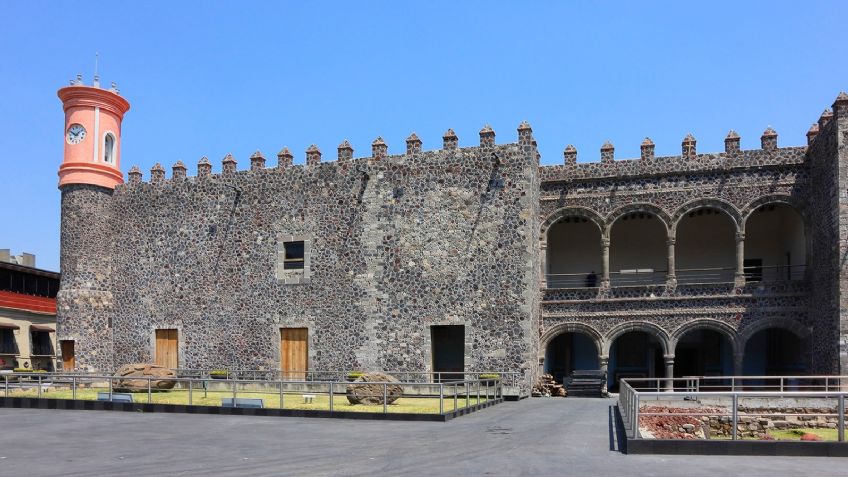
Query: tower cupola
{"x": 93, "y": 118}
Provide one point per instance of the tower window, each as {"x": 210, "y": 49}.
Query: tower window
{"x": 109, "y": 148}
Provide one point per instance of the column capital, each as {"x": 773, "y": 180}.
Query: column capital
{"x": 605, "y": 242}
{"x": 668, "y": 358}
{"x": 671, "y": 240}
{"x": 740, "y": 236}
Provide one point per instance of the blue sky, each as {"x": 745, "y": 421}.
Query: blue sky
{"x": 208, "y": 78}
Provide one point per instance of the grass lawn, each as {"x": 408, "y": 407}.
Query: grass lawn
{"x": 417, "y": 405}
{"x": 795, "y": 434}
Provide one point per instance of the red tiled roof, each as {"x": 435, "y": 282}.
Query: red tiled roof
{"x": 32, "y": 303}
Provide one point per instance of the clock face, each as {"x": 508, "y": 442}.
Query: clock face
{"x": 76, "y": 133}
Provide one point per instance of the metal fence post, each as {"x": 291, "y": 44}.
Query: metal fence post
{"x": 39, "y": 386}
{"x": 478, "y": 392}
{"x": 467, "y": 395}
{"x": 385, "y": 398}
{"x": 281, "y": 394}
{"x": 441, "y": 398}
{"x": 190, "y": 387}
{"x": 331, "y": 396}
{"x": 110, "y": 388}
{"x": 841, "y": 431}
{"x": 455, "y": 403}
{"x": 6, "y": 392}
{"x": 735, "y": 414}
{"x": 234, "y": 393}
{"x": 149, "y": 392}
{"x": 73, "y": 387}
{"x": 636, "y": 418}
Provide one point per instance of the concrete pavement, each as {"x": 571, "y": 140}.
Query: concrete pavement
{"x": 540, "y": 436}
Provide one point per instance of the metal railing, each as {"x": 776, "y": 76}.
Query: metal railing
{"x": 421, "y": 398}
{"x": 692, "y": 276}
{"x": 779, "y": 273}
{"x": 726, "y": 392}
{"x": 688, "y": 276}
{"x": 637, "y": 277}
{"x": 507, "y": 378}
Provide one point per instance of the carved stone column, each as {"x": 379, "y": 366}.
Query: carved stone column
{"x": 543, "y": 262}
{"x": 669, "y": 372}
{"x": 739, "y": 278}
{"x": 738, "y": 361}
{"x": 603, "y": 363}
{"x": 605, "y": 251}
{"x": 671, "y": 277}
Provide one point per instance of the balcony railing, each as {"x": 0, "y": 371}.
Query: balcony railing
{"x": 689, "y": 276}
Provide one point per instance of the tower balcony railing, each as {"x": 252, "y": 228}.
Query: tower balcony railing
{"x": 686, "y": 276}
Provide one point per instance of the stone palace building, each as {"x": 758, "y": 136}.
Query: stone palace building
{"x": 461, "y": 258}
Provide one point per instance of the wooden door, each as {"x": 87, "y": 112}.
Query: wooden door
{"x": 166, "y": 349}
{"x": 69, "y": 361}
{"x": 294, "y": 353}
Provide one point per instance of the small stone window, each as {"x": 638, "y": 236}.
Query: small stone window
{"x": 293, "y": 259}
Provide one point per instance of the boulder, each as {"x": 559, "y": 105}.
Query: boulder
{"x": 134, "y": 378}
{"x": 368, "y": 390}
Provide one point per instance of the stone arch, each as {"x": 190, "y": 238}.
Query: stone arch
{"x": 641, "y": 207}
{"x": 571, "y": 327}
{"x": 785, "y": 199}
{"x": 644, "y": 326}
{"x": 707, "y": 203}
{"x": 575, "y": 211}
{"x": 793, "y": 326}
{"x": 707, "y": 324}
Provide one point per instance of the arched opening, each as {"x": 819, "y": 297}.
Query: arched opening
{"x": 774, "y": 352}
{"x": 775, "y": 245}
{"x": 705, "y": 249}
{"x": 570, "y": 351}
{"x": 635, "y": 354}
{"x": 638, "y": 250}
{"x": 109, "y": 148}
{"x": 574, "y": 253}
{"x": 703, "y": 352}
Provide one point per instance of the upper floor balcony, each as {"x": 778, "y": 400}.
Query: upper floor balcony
{"x": 708, "y": 245}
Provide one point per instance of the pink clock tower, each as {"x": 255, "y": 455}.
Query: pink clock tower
{"x": 92, "y": 135}
{"x": 90, "y": 170}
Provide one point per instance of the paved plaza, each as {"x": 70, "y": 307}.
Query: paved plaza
{"x": 531, "y": 437}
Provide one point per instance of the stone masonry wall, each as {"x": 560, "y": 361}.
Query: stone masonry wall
{"x": 397, "y": 244}
{"x": 824, "y": 222}
{"x": 84, "y": 304}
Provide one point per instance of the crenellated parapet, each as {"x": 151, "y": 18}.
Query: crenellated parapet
{"x": 228, "y": 165}
{"x": 379, "y": 149}
{"x": 204, "y": 167}
{"x": 413, "y": 144}
{"x": 313, "y": 156}
{"x": 450, "y": 141}
{"x": 257, "y": 161}
{"x": 157, "y": 173}
{"x": 345, "y": 152}
{"x": 689, "y": 159}
{"x": 284, "y": 158}
{"x": 178, "y": 171}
